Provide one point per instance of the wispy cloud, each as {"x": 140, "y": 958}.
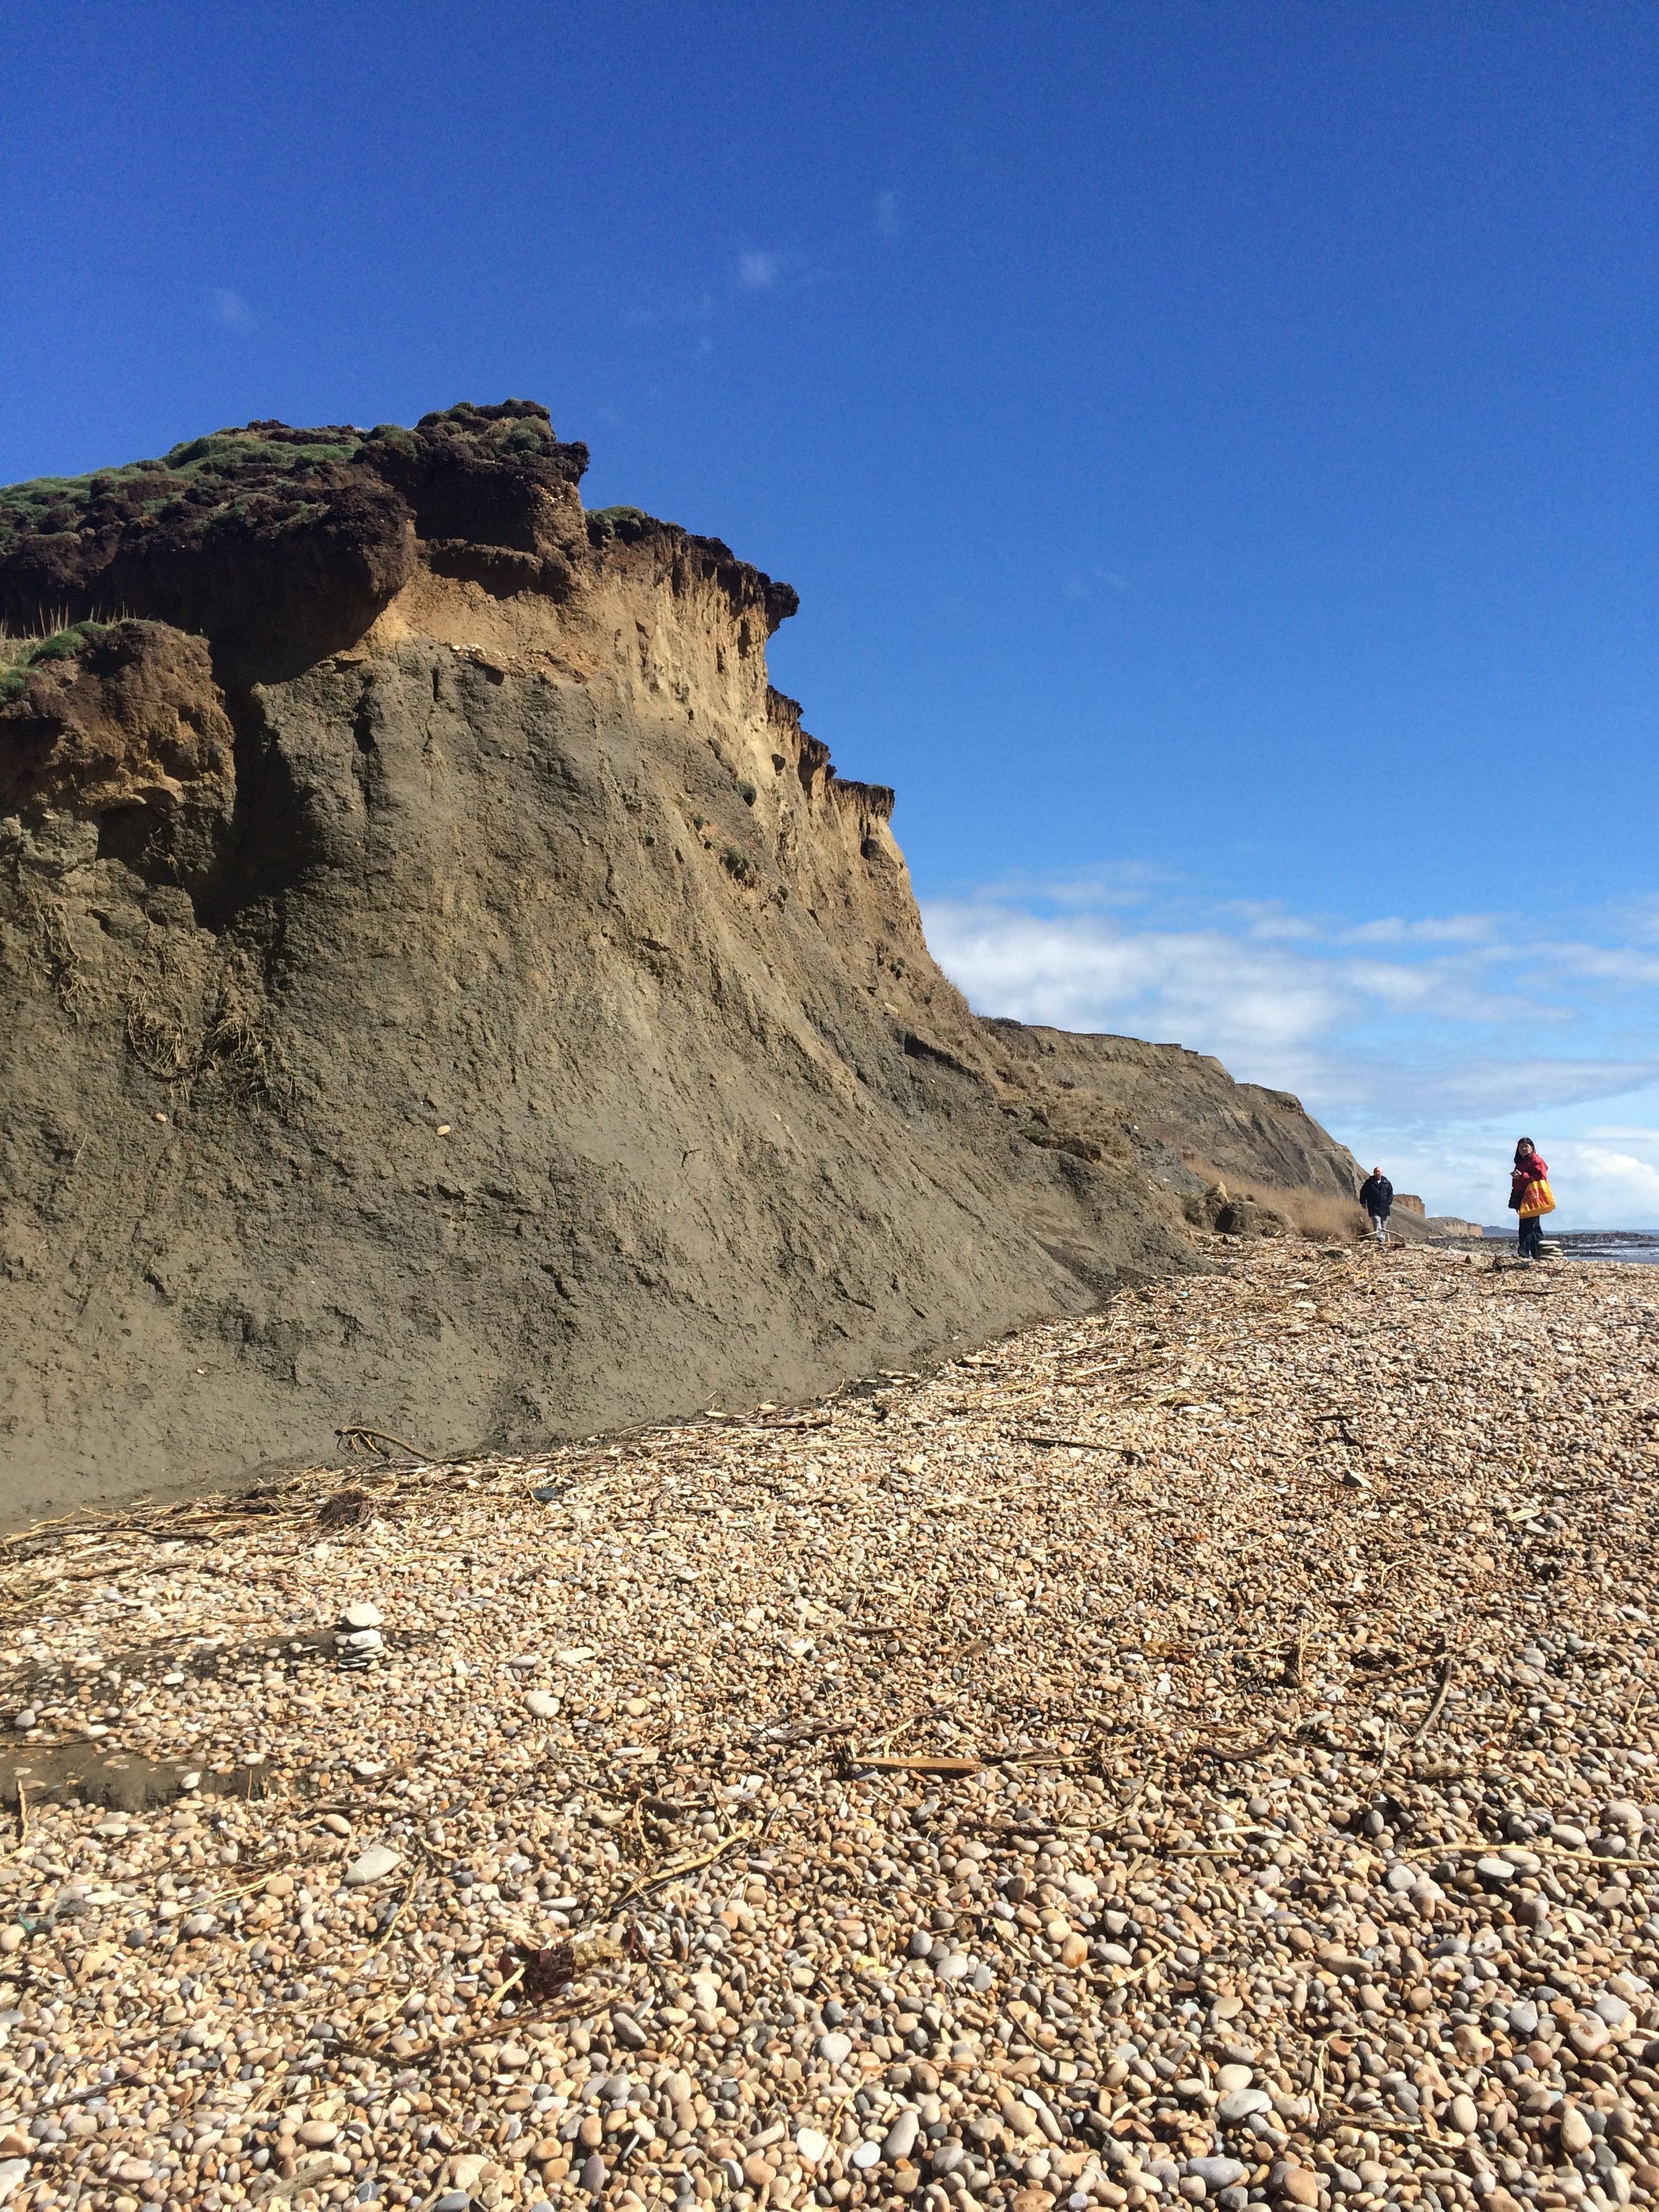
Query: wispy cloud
{"x": 1086, "y": 584}
{"x": 755, "y": 273}
{"x": 762, "y": 272}
{"x": 1423, "y": 1038}
{"x": 888, "y": 224}
{"x": 232, "y": 308}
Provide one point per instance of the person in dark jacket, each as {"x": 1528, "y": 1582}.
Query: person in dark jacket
{"x": 1376, "y": 1196}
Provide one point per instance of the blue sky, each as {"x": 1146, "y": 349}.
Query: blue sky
{"x": 1215, "y": 446}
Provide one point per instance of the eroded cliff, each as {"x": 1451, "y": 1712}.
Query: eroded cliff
{"x": 443, "y": 988}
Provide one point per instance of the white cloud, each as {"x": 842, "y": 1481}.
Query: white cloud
{"x": 1444, "y": 929}
{"x": 231, "y": 307}
{"x": 1428, "y": 1042}
{"x": 761, "y": 272}
{"x": 1621, "y": 1187}
{"x": 887, "y": 214}
{"x": 1088, "y": 972}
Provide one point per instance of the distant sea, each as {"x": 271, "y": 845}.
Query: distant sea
{"x": 1638, "y": 1245}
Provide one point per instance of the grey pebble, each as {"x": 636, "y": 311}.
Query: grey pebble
{"x": 371, "y": 1865}
{"x": 593, "y": 2176}
{"x": 1240, "y": 2104}
{"x": 1215, "y": 2173}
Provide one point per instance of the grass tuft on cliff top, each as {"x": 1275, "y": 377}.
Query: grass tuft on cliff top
{"x": 18, "y": 655}
{"x": 191, "y": 473}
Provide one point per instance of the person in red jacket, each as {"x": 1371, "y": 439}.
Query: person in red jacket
{"x": 1531, "y": 1197}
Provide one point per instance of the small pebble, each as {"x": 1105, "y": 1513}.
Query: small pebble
{"x": 1102, "y": 1913}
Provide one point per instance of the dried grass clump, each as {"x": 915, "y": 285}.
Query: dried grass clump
{"x": 1319, "y": 1214}
{"x": 1323, "y": 1215}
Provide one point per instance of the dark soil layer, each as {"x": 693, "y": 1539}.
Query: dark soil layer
{"x": 443, "y": 988}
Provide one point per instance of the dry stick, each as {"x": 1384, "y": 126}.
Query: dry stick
{"x": 21, "y": 1844}
{"x": 1441, "y": 1691}
{"x": 1540, "y": 1850}
{"x": 385, "y": 1936}
{"x": 352, "y": 1436}
{"x": 929, "y": 1713}
{"x": 513, "y": 1980}
{"x": 921, "y": 1764}
{"x": 673, "y": 1873}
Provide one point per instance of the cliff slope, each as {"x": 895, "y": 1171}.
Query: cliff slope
{"x": 444, "y": 988}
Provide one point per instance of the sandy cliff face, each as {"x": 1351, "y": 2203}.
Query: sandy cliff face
{"x": 443, "y": 988}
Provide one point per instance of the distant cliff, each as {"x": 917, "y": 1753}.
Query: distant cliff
{"x": 443, "y": 988}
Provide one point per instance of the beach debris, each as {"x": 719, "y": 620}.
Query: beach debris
{"x": 980, "y": 1826}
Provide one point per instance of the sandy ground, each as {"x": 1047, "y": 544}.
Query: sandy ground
{"x": 1204, "y": 1750}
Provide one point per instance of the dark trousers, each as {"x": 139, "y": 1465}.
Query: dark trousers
{"x": 1532, "y": 1236}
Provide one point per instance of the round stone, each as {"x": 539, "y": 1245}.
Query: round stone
{"x": 836, "y": 2047}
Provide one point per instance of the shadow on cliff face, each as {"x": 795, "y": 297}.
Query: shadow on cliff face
{"x": 444, "y": 988}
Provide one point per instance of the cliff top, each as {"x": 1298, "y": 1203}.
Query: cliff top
{"x": 279, "y": 544}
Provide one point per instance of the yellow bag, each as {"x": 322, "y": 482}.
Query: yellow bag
{"x": 1539, "y": 1198}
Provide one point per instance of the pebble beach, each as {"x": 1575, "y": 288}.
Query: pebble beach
{"x": 1204, "y": 1751}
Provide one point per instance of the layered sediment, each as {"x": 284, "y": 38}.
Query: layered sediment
{"x": 445, "y": 989}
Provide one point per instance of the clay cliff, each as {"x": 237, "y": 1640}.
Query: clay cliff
{"x": 444, "y": 988}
